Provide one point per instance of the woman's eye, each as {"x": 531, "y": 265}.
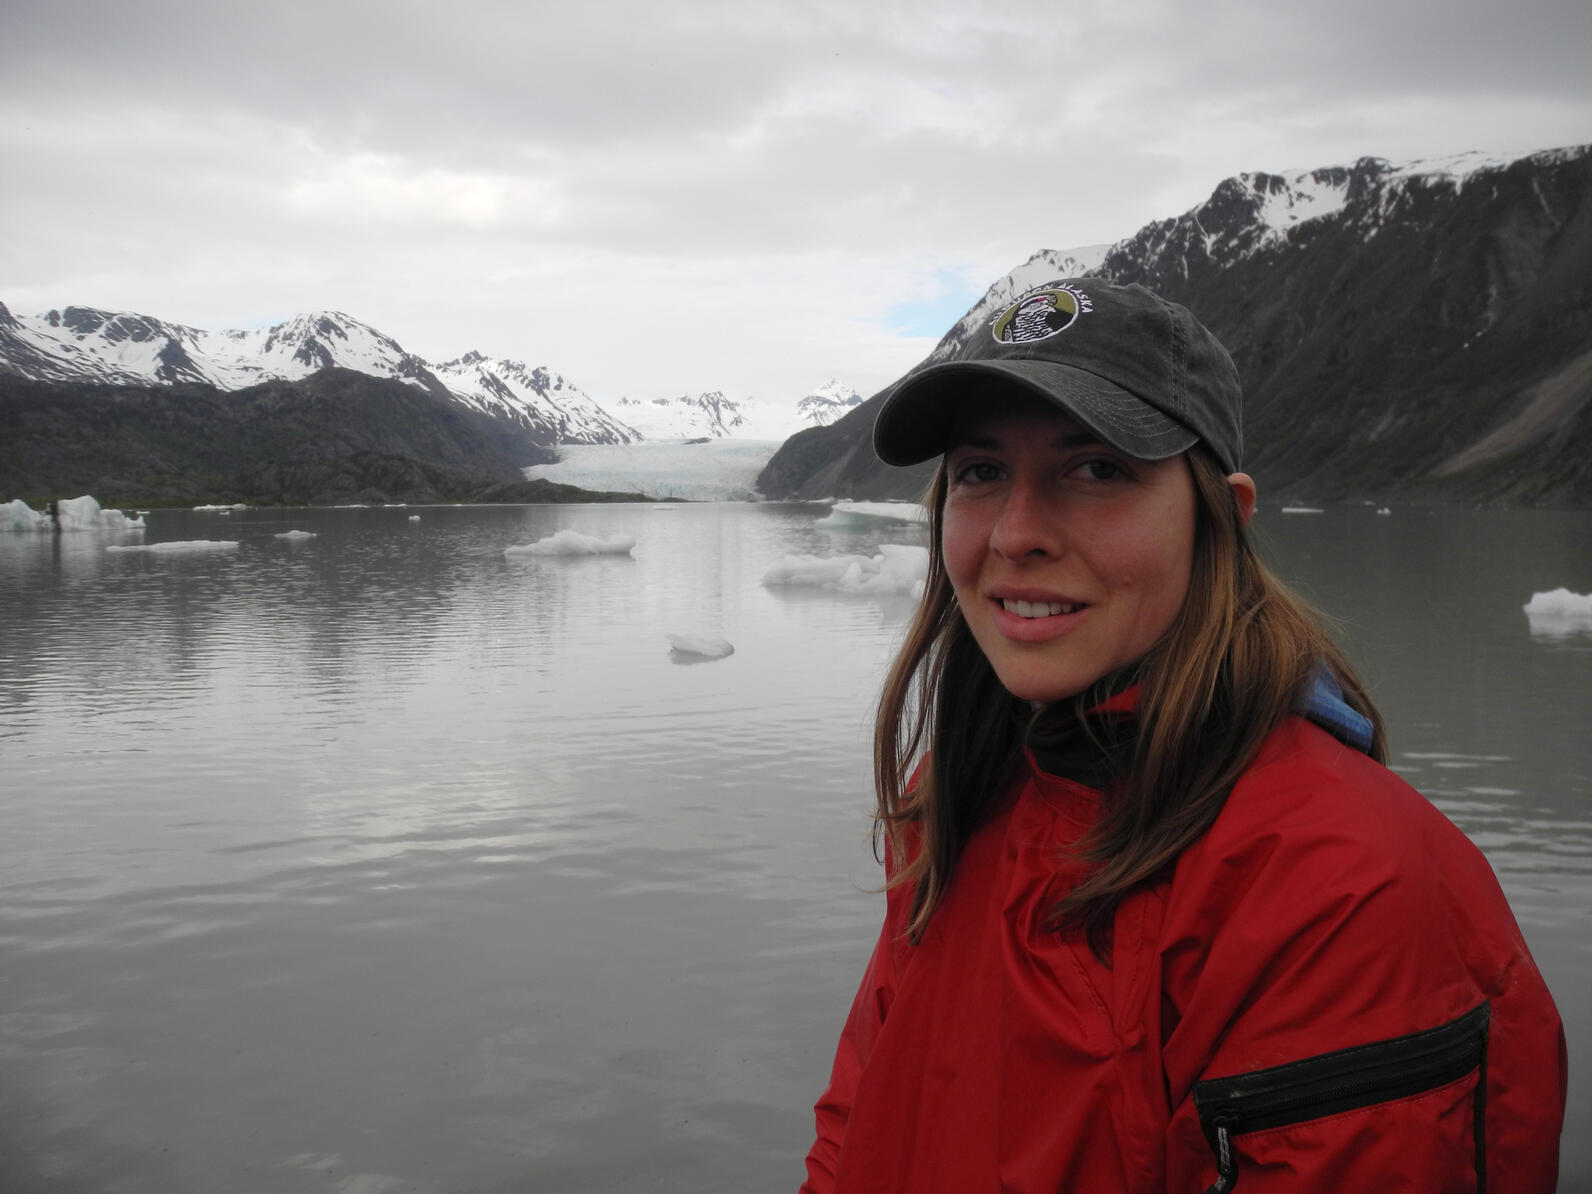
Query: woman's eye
{"x": 978, "y": 472}
{"x": 1103, "y": 470}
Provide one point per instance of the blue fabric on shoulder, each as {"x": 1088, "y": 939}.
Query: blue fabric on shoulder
{"x": 1328, "y": 710}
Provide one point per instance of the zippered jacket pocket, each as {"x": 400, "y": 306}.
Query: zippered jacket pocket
{"x": 1344, "y": 1080}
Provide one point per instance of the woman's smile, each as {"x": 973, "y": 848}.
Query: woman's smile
{"x": 1040, "y": 609}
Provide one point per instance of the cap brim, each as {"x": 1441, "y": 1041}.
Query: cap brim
{"x": 918, "y": 419}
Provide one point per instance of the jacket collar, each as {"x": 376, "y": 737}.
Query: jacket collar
{"x": 1092, "y": 746}
{"x": 1095, "y": 745}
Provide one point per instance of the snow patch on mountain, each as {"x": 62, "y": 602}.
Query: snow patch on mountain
{"x": 707, "y": 415}
{"x": 713, "y": 415}
{"x": 1458, "y": 166}
{"x": 1253, "y": 211}
{"x": 546, "y": 402}
{"x": 830, "y": 401}
{"x": 1309, "y": 195}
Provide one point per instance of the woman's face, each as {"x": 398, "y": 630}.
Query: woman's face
{"x": 1069, "y": 559}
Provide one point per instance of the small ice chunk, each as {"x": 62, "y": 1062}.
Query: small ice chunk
{"x": 182, "y": 546}
{"x": 1559, "y": 613}
{"x": 22, "y": 517}
{"x": 295, "y": 534}
{"x": 1384, "y": 510}
{"x": 1303, "y": 510}
{"x": 222, "y": 509}
{"x": 898, "y": 570}
{"x": 573, "y": 543}
{"x": 813, "y": 572}
{"x": 414, "y": 518}
{"x": 862, "y": 516}
{"x": 700, "y": 646}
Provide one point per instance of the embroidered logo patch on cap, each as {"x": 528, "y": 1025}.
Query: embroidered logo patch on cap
{"x": 1040, "y": 314}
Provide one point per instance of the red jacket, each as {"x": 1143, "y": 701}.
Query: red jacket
{"x": 1328, "y": 993}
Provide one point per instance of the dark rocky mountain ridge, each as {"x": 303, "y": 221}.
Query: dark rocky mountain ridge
{"x": 337, "y": 435}
{"x": 1427, "y": 336}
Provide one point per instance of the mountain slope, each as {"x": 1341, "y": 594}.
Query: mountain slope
{"x": 548, "y": 405}
{"x": 189, "y": 441}
{"x": 1417, "y": 331}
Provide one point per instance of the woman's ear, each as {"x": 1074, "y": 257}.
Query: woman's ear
{"x": 1243, "y": 487}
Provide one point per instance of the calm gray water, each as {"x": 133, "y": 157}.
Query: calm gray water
{"x": 382, "y": 862}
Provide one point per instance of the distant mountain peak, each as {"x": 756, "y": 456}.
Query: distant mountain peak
{"x": 827, "y": 403}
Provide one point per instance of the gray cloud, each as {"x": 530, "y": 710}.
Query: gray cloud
{"x": 483, "y": 168}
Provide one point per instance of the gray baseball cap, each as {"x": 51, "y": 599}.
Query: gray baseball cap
{"x": 1137, "y": 370}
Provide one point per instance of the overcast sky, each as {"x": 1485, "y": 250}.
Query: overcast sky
{"x": 655, "y": 198}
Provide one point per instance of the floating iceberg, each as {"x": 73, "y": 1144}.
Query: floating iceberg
{"x": 182, "y": 546}
{"x": 1303, "y": 510}
{"x": 1559, "y": 613}
{"x": 700, "y": 646}
{"x": 898, "y": 570}
{"x": 295, "y": 535}
{"x": 71, "y": 514}
{"x": 862, "y": 516}
{"x": 573, "y": 543}
{"x": 222, "y": 509}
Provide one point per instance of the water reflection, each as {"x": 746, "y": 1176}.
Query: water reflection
{"x": 382, "y": 860}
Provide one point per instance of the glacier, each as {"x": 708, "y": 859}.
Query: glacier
{"x": 717, "y": 470}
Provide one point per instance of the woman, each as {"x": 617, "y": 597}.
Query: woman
{"x": 1158, "y": 918}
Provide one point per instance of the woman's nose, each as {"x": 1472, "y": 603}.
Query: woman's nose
{"x": 1026, "y": 526}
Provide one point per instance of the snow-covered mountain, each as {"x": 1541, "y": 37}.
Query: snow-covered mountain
{"x": 713, "y": 415}
{"x": 119, "y": 348}
{"x": 537, "y": 398}
{"x": 827, "y": 403}
{"x": 1245, "y": 215}
{"x": 1401, "y": 329}
{"x": 1252, "y": 214}
{"x": 84, "y": 344}
{"x": 122, "y": 348}
{"x": 707, "y": 415}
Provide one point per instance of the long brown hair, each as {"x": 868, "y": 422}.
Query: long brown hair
{"x": 1241, "y": 653}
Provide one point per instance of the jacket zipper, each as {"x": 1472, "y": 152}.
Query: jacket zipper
{"x": 1344, "y": 1080}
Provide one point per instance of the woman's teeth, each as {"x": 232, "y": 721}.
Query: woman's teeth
{"x": 1038, "y": 609}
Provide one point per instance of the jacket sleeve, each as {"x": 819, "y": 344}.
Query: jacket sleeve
{"x": 833, "y": 1109}
{"x": 1350, "y": 1003}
